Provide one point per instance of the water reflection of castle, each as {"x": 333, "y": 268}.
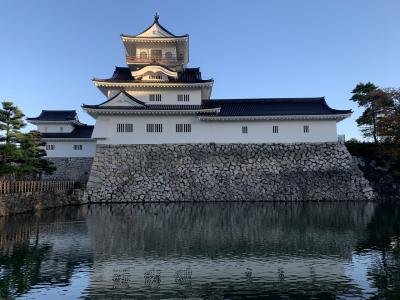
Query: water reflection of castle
{"x": 287, "y": 243}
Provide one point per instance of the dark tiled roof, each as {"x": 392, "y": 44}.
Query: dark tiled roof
{"x": 55, "y": 115}
{"x": 248, "y": 107}
{"x": 273, "y": 107}
{"x": 150, "y": 107}
{"x": 123, "y": 75}
{"x": 79, "y": 132}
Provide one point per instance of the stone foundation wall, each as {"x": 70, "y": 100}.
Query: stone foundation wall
{"x": 12, "y": 204}
{"x": 70, "y": 168}
{"x": 225, "y": 172}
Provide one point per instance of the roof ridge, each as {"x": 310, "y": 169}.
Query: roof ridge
{"x": 162, "y": 27}
{"x": 261, "y": 99}
{"x": 59, "y": 110}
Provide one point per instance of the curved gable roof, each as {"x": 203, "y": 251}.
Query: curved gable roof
{"x": 155, "y": 30}
{"x": 56, "y": 115}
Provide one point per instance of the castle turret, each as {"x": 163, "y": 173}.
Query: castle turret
{"x": 156, "y": 45}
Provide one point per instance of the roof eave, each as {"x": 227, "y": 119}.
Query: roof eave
{"x": 102, "y": 83}
{"x": 35, "y": 121}
{"x": 67, "y": 139}
{"x": 103, "y": 111}
{"x": 337, "y": 117}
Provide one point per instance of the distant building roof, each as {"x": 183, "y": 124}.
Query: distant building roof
{"x": 188, "y": 75}
{"x": 56, "y": 115}
{"x": 79, "y": 132}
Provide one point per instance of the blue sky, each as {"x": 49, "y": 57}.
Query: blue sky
{"x": 50, "y": 50}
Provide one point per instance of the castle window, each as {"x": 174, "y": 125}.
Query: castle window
{"x": 156, "y": 54}
{"x": 61, "y": 129}
{"x": 155, "y": 97}
{"x": 183, "y": 127}
{"x": 245, "y": 129}
{"x": 183, "y": 98}
{"x": 50, "y": 147}
{"x": 77, "y": 147}
{"x": 156, "y": 77}
{"x": 168, "y": 55}
{"x": 154, "y": 127}
{"x": 143, "y": 55}
{"x": 124, "y": 127}
{"x": 275, "y": 129}
{"x": 306, "y": 129}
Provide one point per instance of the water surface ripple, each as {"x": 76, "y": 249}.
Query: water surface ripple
{"x": 203, "y": 251}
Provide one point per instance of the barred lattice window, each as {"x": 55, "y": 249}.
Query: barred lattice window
{"x": 154, "y": 127}
{"x": 183, "y": 128}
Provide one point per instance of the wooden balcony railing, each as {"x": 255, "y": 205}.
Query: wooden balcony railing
{"x": 12, "y": 187}
{"x": 155, "y": 58}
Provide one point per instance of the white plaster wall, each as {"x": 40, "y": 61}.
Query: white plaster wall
{"x": 207, "y": 132}
{"x": 168, "y": 96}
{"x": 54, "y": 127}
{"x": 66, "y": 149}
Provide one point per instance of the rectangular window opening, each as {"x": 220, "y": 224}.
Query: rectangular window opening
{"x": 275, "y": 129}
{"x": 245, "y": 129}
{"x": 184, "y": 98}
{"x": 306, "y": 128}
{"x": 50, "y": 147}
{"x": 154, "y": 127}
{"x": 124, "y": 127}
{"x": 155, "y": 97}
{"x": 183, "y": 127}
{"x": 78, "y": 147}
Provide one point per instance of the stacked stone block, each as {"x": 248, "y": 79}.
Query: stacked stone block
{"x": 225, "y": 172}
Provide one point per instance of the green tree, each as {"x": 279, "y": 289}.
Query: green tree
{"x": 11, "y": 122}
{"x": 375, "y": 101}
{"x": 32, "y": 148}
{"x": 391, "y": 118}
{"x": 20, "y": 153}
{"x": 9, "y": 156}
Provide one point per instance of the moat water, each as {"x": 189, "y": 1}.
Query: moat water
{"x": 203, "y": 251}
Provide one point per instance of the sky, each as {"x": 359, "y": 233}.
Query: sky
{"x": 50, "y": 50}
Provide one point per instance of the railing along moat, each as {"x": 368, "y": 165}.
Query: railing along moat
{"x": 13, "y": 187}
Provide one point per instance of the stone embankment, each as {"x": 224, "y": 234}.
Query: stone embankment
{"x": 70, "y": 168}
{"x": 11, "y": 204}
{"x": 225, "y": 172}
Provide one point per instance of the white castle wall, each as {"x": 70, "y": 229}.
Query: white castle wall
{"x": 168, "y": 96}
{"x": 211, "y": 132}
{"x": 66, "y": 149}
{"x": 54, "y": 127}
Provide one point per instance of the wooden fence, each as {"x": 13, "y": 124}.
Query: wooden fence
{"x": 11, "y": 187}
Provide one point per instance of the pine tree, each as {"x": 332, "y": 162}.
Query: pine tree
{"x": 20, "y": 153}
{"x": 32, "y": 148}
{"x": 375, "y": 102}
{"x": 11, "y": 122}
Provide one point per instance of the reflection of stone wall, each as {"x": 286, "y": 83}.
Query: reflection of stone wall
{"x": 70, "y": 168}
{"x": 227, "y": 229}
{"x": 225, "y": 172}
{"x": 26, "y": 202}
